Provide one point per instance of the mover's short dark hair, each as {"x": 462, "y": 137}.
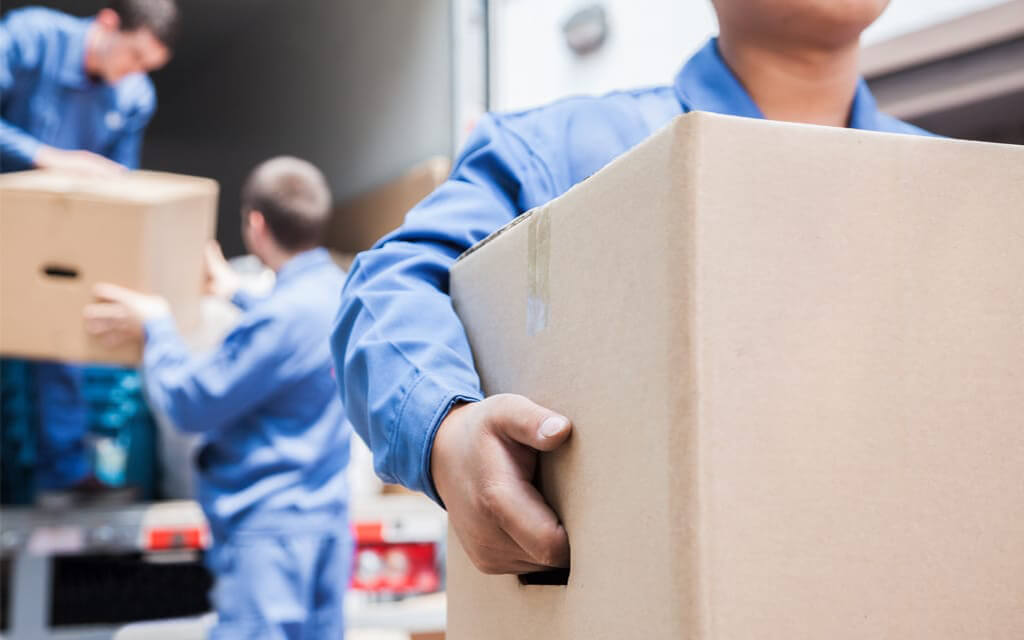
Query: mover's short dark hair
{"x": 294, "y": 199}
{"x": 159, "y": 16}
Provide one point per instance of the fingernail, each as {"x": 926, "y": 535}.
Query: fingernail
{"x": 552, "y": 426}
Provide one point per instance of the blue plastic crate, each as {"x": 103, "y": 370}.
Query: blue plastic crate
{"x": 18, "y": 417}
{"x": 122, "y": 427}
{"x": 121, "y": 430}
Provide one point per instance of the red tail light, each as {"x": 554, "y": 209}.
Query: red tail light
{"x": 403, "y": 568}
{"x": 169, "y": 538}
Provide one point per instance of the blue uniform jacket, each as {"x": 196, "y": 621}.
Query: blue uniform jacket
{"x": 47, "y": 98}
{"x": 275, "y": 442}
{"x": 401, "y": 352}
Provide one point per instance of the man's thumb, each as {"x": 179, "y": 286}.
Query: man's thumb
{"x": 527, "y": 422}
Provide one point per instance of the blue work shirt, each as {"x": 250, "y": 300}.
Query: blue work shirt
{"x": 275, "y": 442}
{"x": 46, "y": 97}
{"x": 401, "y": 352}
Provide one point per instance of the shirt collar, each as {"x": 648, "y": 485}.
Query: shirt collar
{"x": 72, "y": 72}
{"x": 864, "y": 111}
{"x": 302, "y": 262}
{"x": 706, "y": 83}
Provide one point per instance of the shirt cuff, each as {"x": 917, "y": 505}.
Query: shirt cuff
{"x": 17, "y": 151}
{"x": 29, "y": 149}
{"x": 426, "y": 403}
{"x": 160, "y": 327}
{"x": 243, "y": 299}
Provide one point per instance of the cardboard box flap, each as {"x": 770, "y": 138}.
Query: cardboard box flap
{"x": 358, "y": 222}
{"x": 494, "y": 235}
{"x": 137, "y": 187}
{"x": 691, "y": 117}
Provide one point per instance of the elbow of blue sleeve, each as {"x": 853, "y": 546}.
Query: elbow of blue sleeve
{"x": 393, "y": 406}
{"x": 179, "y": 413}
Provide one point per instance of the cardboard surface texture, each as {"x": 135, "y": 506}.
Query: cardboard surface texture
{"x": 792, "y": 355}
{"x": 359, "y": 222}
{"x": 61, "y": 234}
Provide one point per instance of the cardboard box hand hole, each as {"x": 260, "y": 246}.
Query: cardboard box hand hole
{"x": 549, "y": 578}
{"x": 59, "y": 271}
{"x": 556, "y": 576}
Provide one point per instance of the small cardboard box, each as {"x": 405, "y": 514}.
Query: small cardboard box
{"x": 793, "y": 356}
{"x": 61, "y": 234}
{"x": 358, "y": 223}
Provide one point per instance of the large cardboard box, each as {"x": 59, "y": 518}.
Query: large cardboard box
{"x": 61, "y": 234}
{"x": 793, "y": 356}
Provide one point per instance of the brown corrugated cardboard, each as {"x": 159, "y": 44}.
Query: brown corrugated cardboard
{"x": 793, "y": 359}
{"x": 361, "y": 221}
{"x": 61, "y": 234}
{"x": 343, "y": 260}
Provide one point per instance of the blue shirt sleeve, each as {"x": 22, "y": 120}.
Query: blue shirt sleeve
{"x": 19, "y": 51}
{"x": 243, "y": 299}
{"x": 204, "y": 393}
{"x": 401, "y": 353}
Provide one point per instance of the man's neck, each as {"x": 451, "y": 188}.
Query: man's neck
{"x": 277, "y": 259}
{"x": 808, "y": 84}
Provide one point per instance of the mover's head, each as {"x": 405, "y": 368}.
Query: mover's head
{"x": 820, "y": 23}
{"x": 131, "y": 36}
{"x": 285, "y": 207}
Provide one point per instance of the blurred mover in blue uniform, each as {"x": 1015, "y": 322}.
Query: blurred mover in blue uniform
{"x": 74, "y": 96}
{"x": 275, "y": 442}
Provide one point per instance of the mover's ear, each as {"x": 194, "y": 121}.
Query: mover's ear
{"x": 256, "y": 221}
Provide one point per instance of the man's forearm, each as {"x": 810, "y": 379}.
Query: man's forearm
{"x": 18, "y": 150}
{"x": 163, "y": 351}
